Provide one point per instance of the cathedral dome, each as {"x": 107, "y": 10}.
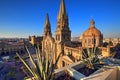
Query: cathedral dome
{"x": 92, "y": 30}
{"x": 92, "y": 37}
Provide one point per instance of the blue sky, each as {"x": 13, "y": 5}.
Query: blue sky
{"x": 21, "y": 18}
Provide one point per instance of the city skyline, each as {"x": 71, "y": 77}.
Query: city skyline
{"x": 21, "y": 18}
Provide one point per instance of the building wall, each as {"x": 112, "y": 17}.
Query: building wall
{"x": 11, "y": 49}
{"x": 90, "y": 41}
{"x": 75, "y": 52}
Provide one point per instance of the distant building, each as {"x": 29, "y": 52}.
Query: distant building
{"x": 113, "y": 41}
{"x": 111, "y": 47}
{"x": 8, "y": 47}
{"x": 34, "y": 40}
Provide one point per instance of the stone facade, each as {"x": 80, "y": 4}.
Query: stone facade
{"x": 48, "y": 42}
{"x": 62, "y": 44}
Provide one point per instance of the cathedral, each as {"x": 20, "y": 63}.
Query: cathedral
{"x": 71, "y": 50}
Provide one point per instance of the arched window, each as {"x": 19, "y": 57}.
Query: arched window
{"x": 57, "y": 37}
{"x": 63, "y": 63}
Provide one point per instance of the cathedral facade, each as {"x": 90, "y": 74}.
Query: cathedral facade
{"x": 71, "y": 51}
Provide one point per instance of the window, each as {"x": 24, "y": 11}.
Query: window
{"x": 89, "y": 41}
{"x": 94, "y": 41}
{"x": 63, "y": 63}
{"x": 58, "y": 37}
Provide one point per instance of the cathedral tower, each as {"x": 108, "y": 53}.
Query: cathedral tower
{"x": 63, "y": 32}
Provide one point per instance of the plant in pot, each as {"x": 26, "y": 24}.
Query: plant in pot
{"x": 43, "y": 67}
{"x": 91, "y": 60}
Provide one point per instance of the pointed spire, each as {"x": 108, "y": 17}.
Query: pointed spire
{"x": 47, "y": 28}
{"x": 92, "y": 23}
{"x": 47, "y": 22}
{"x": 62, "y": 10}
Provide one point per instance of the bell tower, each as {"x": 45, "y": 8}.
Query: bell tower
{"x": 63, "y": 33}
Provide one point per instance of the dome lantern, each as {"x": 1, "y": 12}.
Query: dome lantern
{"x": 92, "y": 23}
